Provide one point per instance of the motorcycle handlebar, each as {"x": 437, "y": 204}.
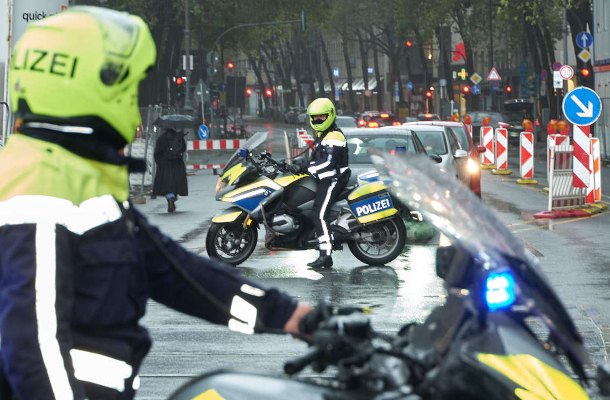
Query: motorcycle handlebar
{"x": 297, "y": 364}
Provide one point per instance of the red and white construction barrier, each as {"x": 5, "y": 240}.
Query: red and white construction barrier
{"x": 594, "y": 193}
{"x": 554, "y": 140}
{"x": 215, "y": 144}
{"x": 205, "y": 166}
{"x": 487, "y": 140}
{"x": 501, "y": 152}
{"x": 582, "y": 148}
{"x": 526, "y": 157}
{"x": 564, "y": 199}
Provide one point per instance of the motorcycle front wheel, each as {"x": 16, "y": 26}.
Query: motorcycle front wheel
{"x": 228, "y": 246}
{"x": 380, "y": 243}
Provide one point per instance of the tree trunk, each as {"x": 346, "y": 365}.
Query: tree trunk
{"x": 296, "y": 57}
{"x": 329, "y": 69}
{"x": 259, "y": 78}
{"x": 380, "y": 88}
{"x": 349, "y": 71}
{"x": 364, "y": 55}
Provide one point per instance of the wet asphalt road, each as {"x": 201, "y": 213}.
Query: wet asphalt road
{"x": 572, "y": 252}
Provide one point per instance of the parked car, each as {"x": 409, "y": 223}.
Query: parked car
{"x": 466, "y": 143}
{"x": 303, "y": 117}
{"x": 290, "y": 117}
{"x": 428, "y": 117}
{"x": 377, "y": 119}
{"x": 409, "y": 119}
{"x": 345, "y": 122}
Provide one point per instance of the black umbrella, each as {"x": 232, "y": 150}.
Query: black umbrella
{"x": 177, "y": 121}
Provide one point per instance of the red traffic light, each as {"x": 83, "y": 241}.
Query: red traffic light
{"x": 509, "y": 89}
{"x": 466, "y": 89}
{"x": 179, "y": 81}
{"x": 230, "y": 65}
{"x": 428, "y": 94}
{"x": 248, "y": 92}
{"x": 409, "y": 43}
{"x": 268, "y": 92}
{"x": 585, "y": 72}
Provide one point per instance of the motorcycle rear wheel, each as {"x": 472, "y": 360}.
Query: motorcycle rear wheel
{"x": 387, "y": 242}
{"x": 221, "y": 243}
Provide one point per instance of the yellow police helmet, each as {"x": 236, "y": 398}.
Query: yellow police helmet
{"x": 319, "y": 107}
{"x": 83, "y": 67}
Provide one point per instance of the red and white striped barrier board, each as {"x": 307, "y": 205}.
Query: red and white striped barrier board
{"x": 554, "y": 140}
{"x": 487, "y": 140}
{"x": 594, "y": 192}
{"x": 205, "y": 166}
{"x": 582, "y": 149}
{"x": 526, "y": 152}
{"x": 501, "y": 149}
{"x": 215, "y": 144}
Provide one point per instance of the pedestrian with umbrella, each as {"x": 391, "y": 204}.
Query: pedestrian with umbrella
{"x": 170, "y": 179}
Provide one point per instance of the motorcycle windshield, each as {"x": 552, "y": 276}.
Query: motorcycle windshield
{"x": 256, "y": 140}
{"x": 453, "y": 209}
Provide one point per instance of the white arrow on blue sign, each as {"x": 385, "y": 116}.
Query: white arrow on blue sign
{"x": 582, "y": 106}
{"x": 584, "y": 40}
{"x": 203, "y": 132}
{"x": 475, "y": 89}
{"x": 409, "y": 86}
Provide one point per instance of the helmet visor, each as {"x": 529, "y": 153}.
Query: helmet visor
{"x": 120, "y": 34}
{"x": 318, "y": 119}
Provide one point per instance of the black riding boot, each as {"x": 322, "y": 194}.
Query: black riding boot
{"x": 323, "y": 261}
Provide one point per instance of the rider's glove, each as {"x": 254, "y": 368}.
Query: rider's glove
{"x": 323, "y": 311}
{"x": 295, "y": 169}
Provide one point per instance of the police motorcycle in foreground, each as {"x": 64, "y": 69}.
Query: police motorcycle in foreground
{"x": 263, "y": 192}
{"x": 502, "y": 332}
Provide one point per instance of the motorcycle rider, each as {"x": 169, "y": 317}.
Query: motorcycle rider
{"x": 329, "y": 166}
{"x": 77, "y": 262}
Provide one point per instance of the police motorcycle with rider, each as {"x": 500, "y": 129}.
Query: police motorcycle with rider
{"x": 501, "y": 333}
{"x": 78, "y": 263}
{"x": 282, "y": 198}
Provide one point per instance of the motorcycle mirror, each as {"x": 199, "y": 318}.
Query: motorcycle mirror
{"x": 436, "y": 158}
{"x": 243, "y": 152}
{"x": 603, "y": 378}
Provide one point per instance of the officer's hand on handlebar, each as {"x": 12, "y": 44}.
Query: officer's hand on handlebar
{"x": 321, "y": 313}
{"x": 295, "y": 169}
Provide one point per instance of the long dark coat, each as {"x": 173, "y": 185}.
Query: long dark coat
{"x": 171, "y": 172}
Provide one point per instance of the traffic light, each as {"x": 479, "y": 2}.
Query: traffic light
{"x": 180, "y": 81}
{"x": 509, "y": 89}
{"x": 268, "y": 92}
{"x": 585, "y": 77}
{"x": 409, "y": 43}
{"x": 429, "y": 94}
{"x": 248, "y": 92}
{"x": 466, "y": 89}
{"x": 230, "y": 65}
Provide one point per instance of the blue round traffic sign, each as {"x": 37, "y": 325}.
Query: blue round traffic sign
{"x": 409, "y": 86}
{"x": 556, "y": 66}
{"x": 203, "y": 132}
{"x": 475, "y": 89}
{"x": 584, "y": 40}
{"x": 582, "y": 106}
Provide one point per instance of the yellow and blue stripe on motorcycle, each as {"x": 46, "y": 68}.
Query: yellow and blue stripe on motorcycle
{"x": 228, "y": 215}
{"x": 374, "y": 205}
{"x": 250, "y": 196}
{"x": 537, "y": 380}
{"x": 234, "y": 172}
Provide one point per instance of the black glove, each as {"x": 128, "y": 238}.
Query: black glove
{"x": 323, "y": 312}
{"x": 295, "y": 169}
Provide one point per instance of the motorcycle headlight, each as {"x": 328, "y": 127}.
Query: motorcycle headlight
{"x": 472, "y": 166}
{"x": 500, "y": 290}
{"x": 220, "y": 185}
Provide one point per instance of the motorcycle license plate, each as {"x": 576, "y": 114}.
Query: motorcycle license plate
{"x": 372, "y": 205}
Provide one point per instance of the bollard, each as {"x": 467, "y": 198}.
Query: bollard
{"x": 582, "y": 148}
{"x": 526, "y": 157}
{"x": 597, "y": 174}
{"x": 487, "y": 140}
{"x": 501, "y": 153}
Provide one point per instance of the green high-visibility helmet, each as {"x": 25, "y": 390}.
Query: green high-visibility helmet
{"x": 82, "y": 67}
{"x": 321, "y": 106}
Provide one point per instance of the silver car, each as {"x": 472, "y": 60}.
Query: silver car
{"x": 441, "y": 141}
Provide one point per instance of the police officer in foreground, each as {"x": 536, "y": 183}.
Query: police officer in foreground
{"x": 329, "y": 166}
{"x": 77, "y": 262}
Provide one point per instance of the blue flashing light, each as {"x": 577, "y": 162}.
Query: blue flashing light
{"x": 243, "y": 152}
{"x": 500, "y": 290}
